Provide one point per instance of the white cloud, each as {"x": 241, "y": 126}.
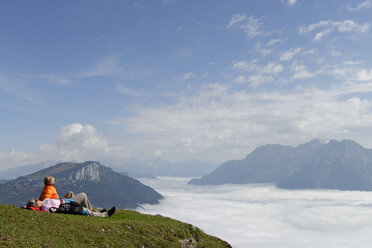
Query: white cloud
{"x": 351, "y": 26}
{"x": 17, "y": 88}
{"x": 292, "y": 2}
{"x": 319, "y": 36}
{"x": 300, "y": 71}
{"x": 184, "y": 77}
{"x": 311, "y": 27}
{"x": 312, "y": 51}
{"x": 244, "y": 65}
{"x": 254, "y": 81}
{"x": 262, "y": 50}
{"x": 262, "y": 73}
{"x": 105, "y": 67}
{"x": 273, "y": 42}
{"x": 16, "y": 158}
{"x": 219, "y": 123}
{"x": 235, "y": 19}
{"x": 335, "y": 53}
{"x": 330, "y": 26}
{"x": 240, "y": 79}
{"x": 286, "y": 56}
{"x": 77, "y": 142}
{"x": 56, "y": 79}
{"x": 250, "y": 25}
{"x": 353, "y": 62}
{"x": 85, "y": 136}
{"x": 363, "y": 5}
{"x": 364, "y": 75}
{"x": 259, "y": 79}
{"x": 121, "y": 88}
{"x": 112, "y": 66}
{"x": 265, "y": 216}
{"x": 270, "y": 68}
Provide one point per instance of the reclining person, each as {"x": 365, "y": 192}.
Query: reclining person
{"x": 47, "y": 204}
{"x": 81, "y": 198}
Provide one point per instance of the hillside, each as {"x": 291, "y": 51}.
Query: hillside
{"x": 104, "y": 187}
{"x": 25, "y": 228}
{"x": 343, "y": 165}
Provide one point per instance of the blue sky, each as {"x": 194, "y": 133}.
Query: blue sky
{"x": 211, "y": 80}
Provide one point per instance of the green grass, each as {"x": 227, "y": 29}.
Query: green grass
{"x": 25, "y": 228}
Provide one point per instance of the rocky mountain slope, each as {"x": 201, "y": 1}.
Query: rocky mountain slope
{"x": 343, "y": 165}
{"x": 104, "y": 187}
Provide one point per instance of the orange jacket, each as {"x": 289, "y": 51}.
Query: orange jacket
{"x": 49, "y": 192}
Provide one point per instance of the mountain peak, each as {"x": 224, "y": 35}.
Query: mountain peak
{"x": 311, "y": 144}
{"x": 345, "y": 145}
{"x": 104, "y": 187}
{"x": 343, "y": 165}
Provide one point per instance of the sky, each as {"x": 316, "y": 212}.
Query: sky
{"x": 179, "y": 80}
{"x": 264, "y": 216}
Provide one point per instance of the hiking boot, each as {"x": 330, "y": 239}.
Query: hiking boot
{"x": 111, "y": 211}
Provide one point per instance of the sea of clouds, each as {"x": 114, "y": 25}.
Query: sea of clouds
{"x": 265, "y": 216}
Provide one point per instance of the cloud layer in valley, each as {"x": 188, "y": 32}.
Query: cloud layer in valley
{"x": 265, "y": 216}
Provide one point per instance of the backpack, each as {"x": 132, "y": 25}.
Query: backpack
{"x": 68, "y": 208}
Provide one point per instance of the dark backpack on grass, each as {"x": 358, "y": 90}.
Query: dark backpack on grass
{"x": 68, "y": 208}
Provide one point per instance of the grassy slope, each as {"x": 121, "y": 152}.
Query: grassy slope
{"x": 25, "y": 228}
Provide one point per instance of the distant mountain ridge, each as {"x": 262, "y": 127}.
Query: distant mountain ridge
{"x": 103, "y": 186}
{"x": 13, "y": 173}
{"x": 152, "y": 168}
{"x": 344, "y": 165}
{"x": 149, "y": 168}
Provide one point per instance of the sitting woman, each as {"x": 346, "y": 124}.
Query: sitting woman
{"x": 49, "y": 191}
